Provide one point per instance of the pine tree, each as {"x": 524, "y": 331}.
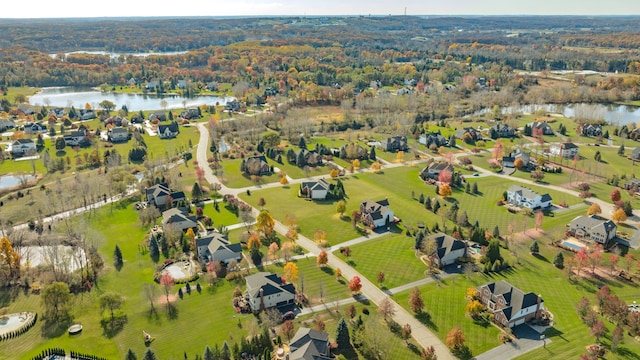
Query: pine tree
{"x": 534, "y": 248}
{"x": 131, "y": 355}
{"x": 117, "y": 258}
{"x": 372, "y": 153}
{"x": 302, "y": 144}
{"x": 467, "y": 188}
{"x": 208, "y": 354}
{"x": 154, "y": 250}
{"x": 149, "y": 355}
{"x": 558, "y": 260}
{"x": 475, "y": 188}
{"x": 196, "y": 191}
{"x": 427, "y": 203}
{"x": 342, "y": 335}
{"x": 436, "y": 207}
{"x": 496, "y": 232}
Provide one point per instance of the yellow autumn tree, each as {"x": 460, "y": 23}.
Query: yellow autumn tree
{"x": 356, "y": 164}
{"x": 375, "y": 167}
{"x": 290, "y": 272}
{"x": 284, "y": 180}
{"x": 254, "y": 242}
{"x": 9, "y": 257}
{"x": 191, "y": 237}
{"x": 445, "y": 190}
{"x": 265, "y": 223}
{"x": 594, "y": 209}
{"x": 619, "y": 216}
{"x": 334, "y": 173}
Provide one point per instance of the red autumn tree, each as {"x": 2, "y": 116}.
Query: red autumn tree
{"x": 355, "y": 284}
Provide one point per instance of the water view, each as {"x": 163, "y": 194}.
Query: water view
{"x": 613, "y": 114}
{"x": 78, "y": 97}
{"x": 115, "y": 55}
{"x": 9, "y": 181}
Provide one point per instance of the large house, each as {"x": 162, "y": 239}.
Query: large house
{"x": 510, "y": 306}
{"x": 35, "y": 128}
{"x": 177, "y": 220}
{"x": 315, "y": 190}
{"x": 502, "y": 131}
{"x": 76, "y": 138}
{"x": 160, "y": 116}
{"x": 566, "y": 150}
{"x": 593, "y": 228}
{"x": 216, "y": 247}
{"x": 448, "y": 249}
{"x": 255, "y": 165}
{"x": 509, "y": 161}
{"x": 473, "y": 134}
{"x": 633, "y": 185}
{"x": 308, "y": 158}
{"x": 266, "y": 290}
{"x": 160, "y": 194}
{"x": 433, "y": 170}
{"x": 309, "y": 344}
{"x": 433, "y": 138}
{"x": 6, "y": 124}
{"x": 523, "y": 197}
{"x": 118, "y": 135}
{"x": 23, "y": 147}
{"x": 192, "y": 113}
{"x": 376, "y": 213}
{"x": 87, "y": 114}
{"x": 395, "y": 144}
{"x": 541, "y": 127}
{"x": 591, "y": 130}
{"x": 168, "y": 131}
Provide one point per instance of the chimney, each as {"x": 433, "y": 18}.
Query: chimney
{"x": 538, "y": 302}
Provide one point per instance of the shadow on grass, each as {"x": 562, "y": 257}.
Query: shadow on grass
{"x": 56, "y": 326}
{"x": 553, "y": 332}
{"x": 627, "y": 354}
{"x": 481, "y": 321}
{"x": 348, "y": 353}
{"x": 463, "y": 352}
{"x": 111, "y": 327}
{"x": 172, "y": 311}
{"x": 328, "y": 270}
{"x": 8, "y": 295}
{"x": 425, "y": 318}
{"x": 540, "y": 257}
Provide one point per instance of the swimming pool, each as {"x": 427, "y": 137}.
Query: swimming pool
{"x": 571, "y": 245}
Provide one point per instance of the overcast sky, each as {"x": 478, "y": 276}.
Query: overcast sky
{"x": 121, "y": 8}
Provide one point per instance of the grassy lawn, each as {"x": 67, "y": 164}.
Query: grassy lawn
{"x": 371, "y": 257}
{"x": 235, "y": 179}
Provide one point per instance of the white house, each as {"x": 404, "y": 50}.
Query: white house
{"x": 593, "y": 228}
{"x": 567, "y": 150}
{"x": 23, "y": 147}
{"x": 266, "y": 290}
{"x": 448, "y": 249}
{"x": 178, "y": 220}
{"x": 315, "y": 190}
{"x": 168, "y": 131}
{"x": 376, "y": 213}
{"x": 118, "y": 134}
{"x": 510, "y": 305}
{"x": 523, "y": 197}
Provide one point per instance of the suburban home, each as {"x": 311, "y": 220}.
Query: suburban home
{"x": 160, "y": 116}
{"x": 395, "y": 144}
{"x": 593, "y": 228}
{"x": 510, "y": 306}
{"x": 87, "y": 114}
{"x": 541, "y": 127}
{"x": 255, "y": 165}
{"x": 168, "y": 131}
{"x": 266, "y": 290}
{"x": 509, "y": 161}
{"x": 178, "y": 220}
{"x": 473, "y": 133}
{"x": 566, "y": 150}
{"x": 309, "y": 344}
{"x": 308, "y": 158}
{"x": 6, "y": 124}
{"x": 233, "y": 105}
{"x": 159, "y": 194}
{"x": 433, "y": 170}
{"x": 433, "y": 138}
{"x": 58, "y": 112}
{"x": 183, "y": 84}
{"x": 191, "y": 113}
{"x": 315, "y": 190}
{"x": 633, "y": 185}
{"x": 448, "y": 249}
{"x": 216, "y": 247}
{"x": 76, "y": 138}
{"x": 212, "y": 86}
{"x": 132, "y": 82}
{"x": 152, "y": 85}
{"x": 502, "y": 131}
{"x": 523, "y": 197}
{"x": 591, "y": 130}
{"x": 635, "y": 154}
{"x": 376, "y": 213}
{"x": 35, "y": 128}
{"x": 26, "y": 109}
{"x": 118, "y": 135}
{"x": 23, "y": 147}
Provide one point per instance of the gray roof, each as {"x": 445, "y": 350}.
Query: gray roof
{"x": 446, "y": 244}
{"x": 268, "y": 282}
{"x": 516, "y": 299}
{"x": 527, "y": 193}
{"x": 321, "y": 184}
{"x": 309, "y": 344}
{"x": 177, "y": 216}
{"x": 219, "y": 248}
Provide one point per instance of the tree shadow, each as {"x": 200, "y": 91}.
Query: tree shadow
{"x": 463, "y": 352}
{"x": 540, "y": 257}
{"x": 8, "y": 295}
{"x": 56, "y": 326}
{"x": 627, "y": 354}
{"x": 425, "y": 318}
{"x": 111, "y": 327}
{"x": 327, "y": 270}
{"x": 172, "y": 311}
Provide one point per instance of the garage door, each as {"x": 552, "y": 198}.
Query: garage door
{"x": 519, "y": 322}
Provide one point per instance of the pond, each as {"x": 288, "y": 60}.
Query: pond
{"x": 9, "y": 181}
{"x": 613, "y": 114}
{"x": 79, "y": 96}
{"x": 114, "y": 55}
{"x": 64, "y": 258}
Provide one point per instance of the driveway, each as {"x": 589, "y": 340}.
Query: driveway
{"x": 528, "y": 339}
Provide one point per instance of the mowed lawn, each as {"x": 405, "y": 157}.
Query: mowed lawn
{"x": 391, "y": 254}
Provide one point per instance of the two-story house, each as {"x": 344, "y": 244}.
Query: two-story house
{"x": 178, "y": 220}
{"x": 376, "y": 213}
{"x": 395, "y": 144}
{"x": 433, "y": 170}
{"x": 118, "y": 135}
{"x": 23, "y": 147}
{"x": 216, "y": 247}
{"x": 255, "y": 165}
{"x": 266, "y": 290}
{"x": 510, "y": 306}
{"x": 502, "y": 131}
{"x": 509, "y": 161}
{"x": 541, "y": 127}
{"x": 593, "y": 228}
{"x": 433, "y": 138}
{"x": 309, "y": 344}
{"x": 168, "y": 131}
{"x": 566, "y": 150}
{"x": 448, "y": 249}
{"x": 76, "y": 138}
{"x": 523, "y": 197}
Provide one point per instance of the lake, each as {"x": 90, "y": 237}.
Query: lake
{"x": 9, "y": 181}
{"x": 79, "y": 96}
{"x": 114, "y": 55}
{"x": 613, "y": 114}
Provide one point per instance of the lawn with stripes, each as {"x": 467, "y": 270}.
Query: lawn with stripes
{"x": 391, "y": 254}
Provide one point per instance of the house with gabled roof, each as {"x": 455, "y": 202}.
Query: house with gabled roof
{"x": 159, "y": 115}
{"x": 473, "y": 133}
{"x": 433, "y": 170}
{"x": 6, "y": 124}
{"x": 267, "y": 290}
{"x": 118, "y": 135}
{"x": 566, "y": 150}
{"x": 35, "y": 128}
{"x": 593, "y": 228}
{"x": 448, "y": 249}
{"x": 510, "y": 306}
{"x": 315, "y": 189}
{"x": 76, "y": 138}
{"x": 502, "y": 131}
{"x": 395, "y": 144}
{"x": 376, "y": 213}
{"x": 433, "y": 138}
{"x": 168, "y": 131}
{"x": 159, "y": 194}
{"x": 255, "y": 165}
{"x": 309, "y": 344}
{"x": 594, "y": 130}
{"x": 23, "y": 147}
{"x": 523, "y": 197}
{"x": 87, "y": 114}
{"x": 178, "y": 220}
{"x": 541, "y": 127}
{"x": 509, "y": 161}
{"x": 216, "y": 247}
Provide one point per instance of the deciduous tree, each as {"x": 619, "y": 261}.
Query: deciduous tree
{"x": 9, "y": 257}
{"x": 355, "y": 284}
{"x": 594, "y": 209}
{"x": 322, "y": 259}
{"x": 265, "y": 223}
{"x": 57, "y": 300}
{"x": 455, "y": 338}
{"x": 288, "y": 329}
{"x": 615, "y": 195}
{"x": 380, "y": 278}
{"x": 619, "y": 216}
{"x": 386, "y": 308}
{"x": 416, "y": 303}
{"x": 167, "y": 283}
{"x": 444, "y": 190}
{"x": 341, "y": 207}
{"x": 111, "y": 301}
{"x": 290, "y": 271}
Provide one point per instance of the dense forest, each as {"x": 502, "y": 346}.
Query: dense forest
{"x": 329, "y": 59}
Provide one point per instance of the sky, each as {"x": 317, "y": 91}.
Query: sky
{"x": 123, "y": 8}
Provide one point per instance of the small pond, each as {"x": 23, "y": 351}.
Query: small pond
{"x": 9, "y": 181}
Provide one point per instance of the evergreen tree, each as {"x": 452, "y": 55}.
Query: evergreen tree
{"x": 496, "y": 232}
{"x": 302, "y": 144}
{"x": 493, "y": 251}
{"x": 342, "y": 335}
{"x": 131, "y": 355}
{"x": 474, "y": 189}
{"x": 226, "y": 352}
{"x": 421, "y": 198}
{"x": 621, "y": 150}
{"x": 468, "y": 188}
{"x": 372, "y": 153}
{"x": 170, "y": 115}
{"x": 208, "y": 354}
{"x": 436, "y": 207}
{"x": 558, "y": 260}
{"x": 427, "y": 203}
{"x": 196, "y": 191}
{"x": 149, "y": 355}
{"x": 628, "y": 209}
{"x": 154, "y": 250}
{"x": 117, "y": 258}
{"x": 300, "y": 158}
{"x": 534, "y": 248}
